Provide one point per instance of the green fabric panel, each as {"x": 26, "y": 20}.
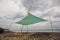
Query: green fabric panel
{"x": 30, "y": 19}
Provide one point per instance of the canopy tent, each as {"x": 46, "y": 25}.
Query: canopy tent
{"x": 30, "y": 19}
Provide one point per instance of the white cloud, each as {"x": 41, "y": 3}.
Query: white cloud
{"x": 10, "y": 8}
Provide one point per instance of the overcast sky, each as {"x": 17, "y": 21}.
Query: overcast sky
{"x": 13, "y": 10}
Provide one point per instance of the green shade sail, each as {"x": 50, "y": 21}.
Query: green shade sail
{"x": 30, "y": 19}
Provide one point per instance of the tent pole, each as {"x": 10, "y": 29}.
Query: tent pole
{"x": 22, "y": 28}
{"x": 51, "y": 24}
{"x": 27, "y": 28}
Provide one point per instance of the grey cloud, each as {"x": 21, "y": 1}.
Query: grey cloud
{"x": 9, "y": 24}
{"x": 40, "y": 5}
{"x": 48, "y": 14}
{"x": 4, "y": 23}
{"x": 56, "y": 25}
{"x": 56, "y": 2}
{"x": 57, "y": 15}
{"x": 37, "y": 4}
{"x": 17, "y": 15}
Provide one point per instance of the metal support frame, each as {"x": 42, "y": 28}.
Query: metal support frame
{"x": 51, "y": 23}
{"x": 23, "y": 27}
